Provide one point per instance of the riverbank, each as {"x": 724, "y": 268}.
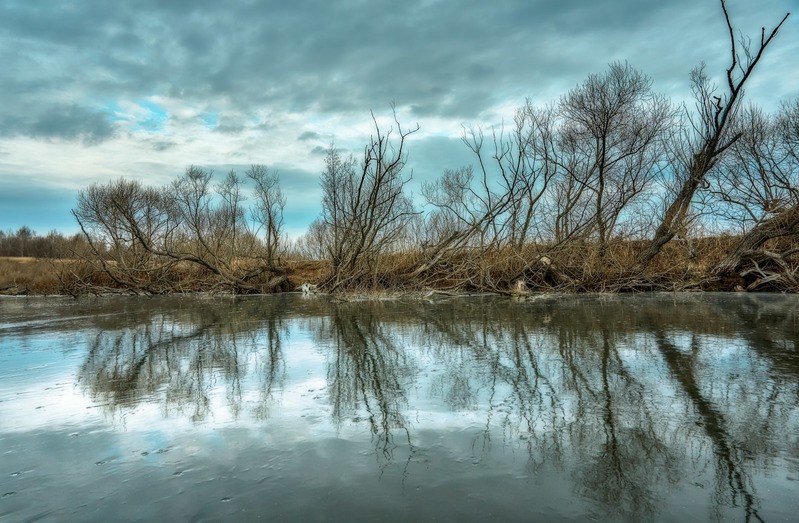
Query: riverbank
{"x": 27, "y": 276}
{"x": 575, "y": 267}
{"x": 21, "y": 276}
{"x": 24, "y": 276}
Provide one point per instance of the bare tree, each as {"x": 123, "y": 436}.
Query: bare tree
{"x": 24, "y": 234}
{"x": 364, "y": 207}
{"x": 464, "y": 220}
{"x": 267, "y": 213}
{"x": 493, "y": 205}
{"x": 759, "y": 186}
{"x": 112, "y": 217}
{"x": 612, "y": 140}
{"x": 710, "y": 135}
{"x": 147, "y": 239}
{"x": 560, "y": 173}
{"x": 755, "y": 181}
{"x": 313, "y": 244}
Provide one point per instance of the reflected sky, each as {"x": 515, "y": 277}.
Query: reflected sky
{"x": 613, "y": 407}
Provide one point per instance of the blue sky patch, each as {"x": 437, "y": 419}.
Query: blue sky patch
{"x": 154, "y": 120}
{"x": 210, "y": 120}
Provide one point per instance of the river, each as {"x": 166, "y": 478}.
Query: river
{"x": 287, "y": 408}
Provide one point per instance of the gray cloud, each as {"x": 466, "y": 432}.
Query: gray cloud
{"x": 162, "y": 145}
{"x": 230, "y": 128}
{"x": 446, "y": 59}
{"x": 309, "y": 135}
{"x": 67, "y": 65}
{"x": 67, "y": 122}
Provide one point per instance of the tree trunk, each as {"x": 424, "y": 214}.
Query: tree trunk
{"x": 674, "y": 218}
{"x": 785, "y": 223}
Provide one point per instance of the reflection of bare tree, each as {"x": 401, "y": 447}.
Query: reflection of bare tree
{"x": 182, "y": 355}
{"x": 369, "y": 372}
{"x": 628, "y": 399}
{"x": 578, "y": 375}
{"x": 550, "y": 377}
{"x": 745, "y": 432}
{"x": 732, "y": 478}
{"x": 622, "y": 460}
{"x": 768, "y": 324}
{"x": 272, "y": 364}
{"x": 631, "y": 460}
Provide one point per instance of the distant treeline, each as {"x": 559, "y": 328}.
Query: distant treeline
{"x": 25, "y": 242}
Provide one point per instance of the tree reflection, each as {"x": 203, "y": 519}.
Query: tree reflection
{"x": 368, "y": 373}
{"x": 555, "y": 380}
{"x": 580, "y": 384}
{"x": 732, "y": 478}
{"x": 630, "y": 461}
{"x": 630, "y": 398}
{"x": 177, "y": 357}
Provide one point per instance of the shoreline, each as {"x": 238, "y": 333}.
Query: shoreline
{"x": 63, "y": 277}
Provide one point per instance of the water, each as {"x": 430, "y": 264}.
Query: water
{"x": 659, "y": 407}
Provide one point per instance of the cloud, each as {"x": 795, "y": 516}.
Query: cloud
{"x": 162, "y": 145}
{"x": 309, "y": 135}
{"x": 197, "y": 81}
{"x": 72, "y": 123}
{"x": 446, "y": 59}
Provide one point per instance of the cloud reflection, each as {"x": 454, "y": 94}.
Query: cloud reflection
{"x": 629, "y": 398}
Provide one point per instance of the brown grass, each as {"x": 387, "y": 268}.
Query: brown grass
{"x": 576, "y": 267}
{"x": 32, "y": 276}
{"x": 29, "y": 276}
{"x": 306, "y": 271}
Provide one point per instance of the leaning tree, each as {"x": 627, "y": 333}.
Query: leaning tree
{"x": 711, "y": 133}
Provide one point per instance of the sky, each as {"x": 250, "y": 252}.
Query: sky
{"x": 91, "y": 90}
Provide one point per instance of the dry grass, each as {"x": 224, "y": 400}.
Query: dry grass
{"x": 22, "y": 276}
{"x": 575, "y": 267}
{"x": 29, "y": 276}
{"x": 306, "y": 271}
